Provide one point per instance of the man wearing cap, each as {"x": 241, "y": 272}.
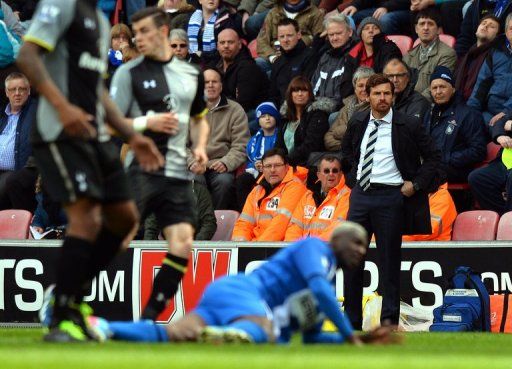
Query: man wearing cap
{"x": 456, "y": 129}
{"x": 229, "y": 134}
{"x": 394, "y": 15}
{"x": 374, "y": 49}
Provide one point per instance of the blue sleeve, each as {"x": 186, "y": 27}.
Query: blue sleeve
{"x": 308, "y": 256}
{"x": 327, "y": 303}
{"x": 322, "y": 337}
{"x": 473, "y": 134}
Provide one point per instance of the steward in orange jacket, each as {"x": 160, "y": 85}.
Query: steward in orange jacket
{"x": 442, "y": 216}
{"x": 270, "y": 205}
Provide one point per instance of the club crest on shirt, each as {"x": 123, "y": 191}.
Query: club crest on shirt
{"x": 326, "y": 212}
{"x": 48, "y": 14}
{"x": 273, "y": 203}
{"x": 450, "y": 127}
{"x": 171, "y": 102}
{"x": 309, "y": 211}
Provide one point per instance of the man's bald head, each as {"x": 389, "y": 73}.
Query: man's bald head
{"x": 228, "y": 44}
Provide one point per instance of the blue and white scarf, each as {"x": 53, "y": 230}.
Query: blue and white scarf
{"x": 194, "y": 26}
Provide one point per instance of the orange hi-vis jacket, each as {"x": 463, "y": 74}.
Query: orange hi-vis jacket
{"x": 269, "y": 220}
{"x": 308, "y": 220}
{"x": 442, "y": 217}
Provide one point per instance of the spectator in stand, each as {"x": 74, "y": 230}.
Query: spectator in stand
{"x": 179, "y": 44}
{"x": 492, "y": 94}
{"x": 491, "y": 185}
{"x": 456, "y": 129}
{"x": 467, "y": 69}
{"x": 332, "y": 78}
{"x": 406, "y": 99}
{"x": 242, "y": 80}
{"x": 296, "y": 59}
{"x": 320, "y": 210}
{"x": 351, "y": 104}
{"x": 253, "y": 15}
{"x": 430, "y": 52}
{"x": 306, "y": 122}
{"x": 264, "y": 140}
{"x": 204, "y": 26}
{"x": 179, "y": 12}
{"x": 477, "y": 10}
{"x": 229, "y": 134}
{"x": 15, "y": 126}
{"x": 451, "y": 12}
{"x": 307, "y": 15}
{"x": 269, "y": 206}
{"x": 48, "y": 214}
{"x": 392, "y": 14}
{"x": 11, "y": 20}
{"x": 374, "y": 49}
{"x": 120, "y": 39}
{"x": 442, "y": 217}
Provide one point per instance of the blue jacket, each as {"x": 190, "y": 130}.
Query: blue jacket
{"x": 493, "y": 87}
{"x": 258, "y": 145}
{"x": 459, "y": 134}
{"x": 22, "y": 147}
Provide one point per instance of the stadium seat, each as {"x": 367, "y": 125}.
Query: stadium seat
{"x": 225, "y": 223}
{"x": 475, "y": 225}
{"x": 447, "y": 39}
{"x": 403, "y": 42}
{"x": 505, "y": 227}
{"x": 14, "y": 224}
{"x": 253, "y": 48}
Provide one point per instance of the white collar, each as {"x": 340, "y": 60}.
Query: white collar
{"x": 388, "y": 118}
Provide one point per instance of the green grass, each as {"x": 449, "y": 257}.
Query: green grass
{"x": 22, "y": 348}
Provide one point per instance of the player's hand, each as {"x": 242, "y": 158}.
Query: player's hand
{"x": 355, "y": 340}
{"x": 381, "y": 336}
{"x": 164, "y": 123}
{"x": 219, "y": 167}
{"x": 148, "y": 156}
{"x": 496, "y": 118}
{"x": 200, "y": 155}
{"x": 77, "y": 122}
{"x": 505, "y": 142}
{"x": 349, "y": 10}
{"x": 379, "y": 12}
{"x": 197, "y": 168}
{"x": 407, "y": 189}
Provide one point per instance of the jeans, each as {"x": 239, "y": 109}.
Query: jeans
{"x": 393, "y": 23}
{"x": 254, "y": 24}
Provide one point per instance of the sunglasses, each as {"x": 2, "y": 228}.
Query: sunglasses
{"x": 174, "y": 46}
{"x": 333, "y": 171}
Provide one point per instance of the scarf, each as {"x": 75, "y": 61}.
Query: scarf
{"x": 303, "y": 4}
{"x": 257, "y": 146}
{"x": 194, "y": 27}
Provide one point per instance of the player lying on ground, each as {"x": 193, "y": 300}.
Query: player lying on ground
{"x": 293, "y": 291}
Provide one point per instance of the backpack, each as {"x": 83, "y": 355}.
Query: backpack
{"x": 466, "y": 305}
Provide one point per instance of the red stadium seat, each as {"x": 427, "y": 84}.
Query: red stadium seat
{"x": 403, "y": 42}
{"x": 253, "y": 48}
{"x": 14, "y": 224}
{"x": 475, "y": 225}
{"x": 447, "y": 39}
{"x": 505, "y": 227}
{"x": 225, "y": 224}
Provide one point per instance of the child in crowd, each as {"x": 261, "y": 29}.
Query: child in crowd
{"x": 120, "y": 43}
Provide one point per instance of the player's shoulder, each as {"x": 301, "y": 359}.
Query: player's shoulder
{"x": 128, "y": 66}
{"x": 312, "y": 243}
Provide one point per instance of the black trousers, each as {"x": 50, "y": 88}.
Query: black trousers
{"x": 380, "y": 212}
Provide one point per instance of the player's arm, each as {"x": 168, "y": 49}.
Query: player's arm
{"x": 199, "y": 130}
{"x": 147, "y": 154}
{"x": 75, "y": 121}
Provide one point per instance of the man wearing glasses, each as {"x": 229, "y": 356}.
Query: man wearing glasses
{"x": 15, "y": 125}
{"x": 406, "y": 99}
{"x": 321, "y": 210}
{"x": 269, "y": 207}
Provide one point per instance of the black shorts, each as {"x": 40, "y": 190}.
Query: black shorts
{"x": 170, "y": 199}
{"x": 75, "y": 169}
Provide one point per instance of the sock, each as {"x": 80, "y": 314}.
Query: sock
{"x": 254, "y": 330}
{"x": 104, "y": 250}
{"x": 144, "y": 331}
{"x": 71, "y": 274}
{"x": 165, "y": 285}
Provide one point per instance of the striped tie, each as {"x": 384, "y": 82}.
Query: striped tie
{"x": 366, "y": 170}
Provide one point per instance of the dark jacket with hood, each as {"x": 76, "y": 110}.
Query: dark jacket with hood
{"x": 243, "y": 81}
{"x": 383, "y": 50}
{"x": 309, "y": 136}
{"x": 289, "y": 65}
{"x": 411, "y": 102}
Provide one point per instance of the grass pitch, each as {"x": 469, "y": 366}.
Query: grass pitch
{"x": 23, "y": 348}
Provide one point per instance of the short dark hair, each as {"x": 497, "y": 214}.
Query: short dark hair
{"x": 298, "y": 82}
{"x": 160, "y": 17}
{"x": 491, "y": 16}
{"x": 216, "y": 70}
{"x": 275, "y": 151}
{"x": 430, "y": 13}
{"x": 378, "y": 79}
{"x": 289, "y": 22}
{"x": 330, "y": 158}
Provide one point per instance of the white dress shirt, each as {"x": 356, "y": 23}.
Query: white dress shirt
{"x": 384, "y": 169}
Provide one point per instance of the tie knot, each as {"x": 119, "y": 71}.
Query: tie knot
{"x": 377, "y": 122}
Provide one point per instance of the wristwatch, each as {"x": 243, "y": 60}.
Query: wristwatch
{"x": 416, "y": 186}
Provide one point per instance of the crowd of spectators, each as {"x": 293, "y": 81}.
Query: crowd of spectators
{"x": 283, "y": 78}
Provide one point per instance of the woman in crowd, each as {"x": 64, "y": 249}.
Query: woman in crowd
{"x": 179, "y": 44}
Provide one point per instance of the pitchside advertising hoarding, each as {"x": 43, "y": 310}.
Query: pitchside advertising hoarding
{"x": 119, "y": 293}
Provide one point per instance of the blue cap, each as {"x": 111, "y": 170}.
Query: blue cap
{"x": 268, "y": 108}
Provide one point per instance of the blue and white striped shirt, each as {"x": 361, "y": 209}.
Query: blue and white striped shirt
{"x": 8, "y": 139}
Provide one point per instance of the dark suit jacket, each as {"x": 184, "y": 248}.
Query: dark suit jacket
{"x": 416, "y": 158}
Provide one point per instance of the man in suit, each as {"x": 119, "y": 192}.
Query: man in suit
{"x": 390, "y": 163}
